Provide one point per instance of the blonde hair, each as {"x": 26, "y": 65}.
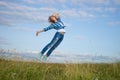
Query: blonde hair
{"x": 50, "y": 19}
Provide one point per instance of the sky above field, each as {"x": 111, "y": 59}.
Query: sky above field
{"x": 93, "y": 26}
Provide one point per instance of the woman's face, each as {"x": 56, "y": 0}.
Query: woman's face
{"x": 53, "y": 19}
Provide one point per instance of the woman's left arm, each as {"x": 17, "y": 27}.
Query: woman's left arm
{"x": 39, "y": 31}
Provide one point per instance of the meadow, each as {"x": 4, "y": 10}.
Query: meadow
{"x": 18, "y": 70}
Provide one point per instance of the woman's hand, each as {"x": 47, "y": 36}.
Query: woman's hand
{"x": 37, "y": 32}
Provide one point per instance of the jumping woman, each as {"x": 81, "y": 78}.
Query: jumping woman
{"x": 57, "y": 24}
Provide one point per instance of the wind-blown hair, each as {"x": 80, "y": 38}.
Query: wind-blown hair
{"x": 50, "y": 19}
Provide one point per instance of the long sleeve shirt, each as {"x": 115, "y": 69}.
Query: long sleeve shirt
{"x": 57, "y": 25}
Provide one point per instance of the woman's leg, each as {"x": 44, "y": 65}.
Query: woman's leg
{"x": 55, "y": 45}
{"x": 50, "y": 44}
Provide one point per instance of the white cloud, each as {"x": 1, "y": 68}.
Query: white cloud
{"x": 8, "y": 18}
{"x": 24, "y": 28}
{"x": 50, "y": 2}
{"x": 71, "y": 13}
{"x": 102, "y": 9}
{"x": 24, "y": 14}
{"x": 90, "y": 2}
{"x": 96, "y": 6}
{"x": 99, "y": 1}
{"x": 15, "y": 13}
{"x": 80, "y": 37}
{"x": 116, "y": 2}
{"x": 3, "y": 41}
{"x": 62, "y": 1}
{"x": 76, "y": 13}
{"x": 80, "y": 57}
{"x": 40, "y": 1}
{"x": 110, "y": 9}
{"x": 114, "y": 23}
{"x": 85, "y": 14}
{"x": 29, "y": 1}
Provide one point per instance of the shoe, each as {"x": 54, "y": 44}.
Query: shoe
{"x": 44, "y": 58}
{"x": 40, "y": 56}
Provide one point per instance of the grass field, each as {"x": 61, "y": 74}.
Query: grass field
{"x": 16, "y": 70}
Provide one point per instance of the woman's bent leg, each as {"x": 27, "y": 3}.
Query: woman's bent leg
{"x": 49, "y": 45}
{"x": 54, "y": 46}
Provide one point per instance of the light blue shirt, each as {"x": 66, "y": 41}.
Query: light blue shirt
{"x": 57, "y": 25}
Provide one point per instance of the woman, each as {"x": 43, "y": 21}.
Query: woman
{"x": 57, "y": 24}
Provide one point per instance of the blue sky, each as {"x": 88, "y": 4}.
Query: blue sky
{"x": 93, "y": 27}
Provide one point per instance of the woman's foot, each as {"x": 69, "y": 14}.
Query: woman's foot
{"x": 44, "y": 58}
{"x": 40, "y": 55}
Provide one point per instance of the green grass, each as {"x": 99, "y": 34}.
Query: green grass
{"x": 16, "y": 70}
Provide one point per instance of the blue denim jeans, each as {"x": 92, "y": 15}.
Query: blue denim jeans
{"x": 57, "y": 39}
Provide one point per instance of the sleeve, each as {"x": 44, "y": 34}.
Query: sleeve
{"x": 59, "y": 19}
{"x": 49, "y": 27}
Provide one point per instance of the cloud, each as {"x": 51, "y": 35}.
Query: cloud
{"x": 81, "y": 57}
{"x": 72, "y": 13}
{"x": 74, "y": 2}
{"x": 76, "y": 13}
{"x": 80, "y": 37}
{"x": 85, "y": 14}
{"x": 90, "y": 2}
{"x": 41, "y": 1}
{"x": 118, "y": 53}
{"x": 13, "y": 13}
{"x": 4, "y": 41}
{"x": 102, "y": 9}
{"x": 30, "y": 1}
{"x": 116, "y": 2}
{"x": 113, "y": 23}
{"x": 98, "y": 1}
{"x": 49, "y": 2}
{"x": 99, "y": 6}
{"x": 64, "y": 1}
{"x": 24, "y": 28}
